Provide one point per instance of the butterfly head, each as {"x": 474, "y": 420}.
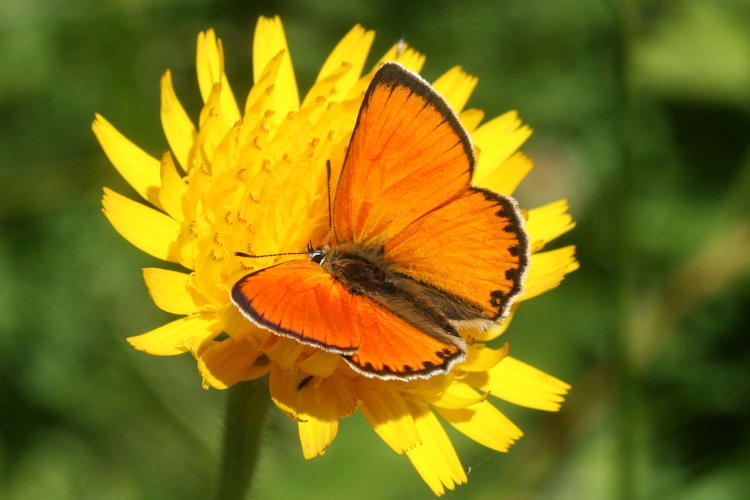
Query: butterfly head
{"x": 316, "y": 255}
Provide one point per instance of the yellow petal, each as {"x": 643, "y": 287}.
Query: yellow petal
{"x": 302, "y": 396}
{"x": 456, "y": 87}
{"x": 471, "y": 118}
{"x": 402, "y": 53}
{"x": 209, "y": 63}
{"x": 260, "y": 98}
{"x": 320, "y": 363}
{"x": 387, "y": 413}
{"x": 522, "y": 384}
{"x": 283, "y": 385}
{"x": 315, "y": 436}
{"x": 325, "y": 399}
{"x": 456, "y": 395}
{"x": 150, "y": 230}
{"x": 138, "y": 168}
{"x": 176, "y": 337}
{"x": 169, "y": 290}
{"x": 269, "y": 40}
{"x": 352, "y": 51}
{"x": 223, "y": 364}
{"x": 505, "y": 178}
{"x": 548, "y": 222}
{"x": 492, "y": 332}
{"x": 435, "y": 459}
{"x": 483, "y": 423}
{"x": 176, "y": 123}
{"x": 497, "y": 140}
{"x": 284, "y": 352}
{"x": 547, "y": 270}
{"x": 481, "y": 358}
{"x": 173, "y": 188}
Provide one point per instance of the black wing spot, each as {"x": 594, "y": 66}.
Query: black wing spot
{"x": 497, "y": 298}
{"x": 512, "y": 274}
{"x": 515, "y": 250}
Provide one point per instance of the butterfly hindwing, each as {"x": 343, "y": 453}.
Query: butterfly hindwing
{"x": 298, "y": 299}
{"x": 474, "y": 248}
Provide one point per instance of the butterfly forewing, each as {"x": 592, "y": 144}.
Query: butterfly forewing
{"x": 408, "y": 154}
{"x": 298, "y": 299}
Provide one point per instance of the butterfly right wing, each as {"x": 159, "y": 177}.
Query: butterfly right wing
{"x": 471, "y": 253}
{"x": 408, "y": 154}
{"x": 298, "y": 299}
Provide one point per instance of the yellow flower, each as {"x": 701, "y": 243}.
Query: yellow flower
{"x": 253, "y": 179}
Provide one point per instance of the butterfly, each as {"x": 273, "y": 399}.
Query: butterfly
{"x": 415, "y": 253}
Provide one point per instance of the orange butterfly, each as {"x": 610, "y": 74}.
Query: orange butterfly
{"x": 415, "y": 252}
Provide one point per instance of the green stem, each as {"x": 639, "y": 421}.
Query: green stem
{"x": 625, "y": 257}
{"x": 247, "y": 406}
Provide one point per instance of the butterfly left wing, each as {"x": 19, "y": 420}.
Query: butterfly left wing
{"x": 298, "y": 299}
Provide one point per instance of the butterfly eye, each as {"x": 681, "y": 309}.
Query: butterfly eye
{"x": 317, "y": 255}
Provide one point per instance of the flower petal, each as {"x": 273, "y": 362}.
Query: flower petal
{"x": 302, "y": 396}
{"x": 508, "y": 175}
{"x": 352, "y": 51}
{"x": 497, "y": 140}
{"x": 471, "y": 118}
{"x": 521, "y": 384}
{"x": 480, "y": 358}
{"x": 209, "y": 63}
{"x": 320, "y": 363}
{"x": 284, "y": 352}
{"x": 269, "y": 40}
{"x": 176, "y": 123}
{"x": 176, "y": 337}
{"x": 456, "y": 395}
{"x": 402, "y": 53}
{"x": 315, "y": 436}
{"x": 173, "y": 188}
{"x": 456, "y": 86}
{"x": 138, "y": 168}
{"x": 547, "y": 270}
{"x": 388, "y": 415}
{"x": 169, "y": 290}
{"x": 147, "y": 229}
{"x": 483, "y": 423}
{"x": 435, "y": 459}
{"x": 223, "y": 364}
{"x": 547, "y": 222}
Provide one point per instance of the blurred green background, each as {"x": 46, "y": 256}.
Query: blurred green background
{"x": 641, "y": 113}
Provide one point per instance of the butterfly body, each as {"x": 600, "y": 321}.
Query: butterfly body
{"x": 365, "y": 271}
{"x": 415, "y": 254}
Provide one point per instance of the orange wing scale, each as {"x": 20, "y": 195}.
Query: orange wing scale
{"x": 298, "y": 299}
{"x": 407, "y": 154}
{"x": 474, "y": 247}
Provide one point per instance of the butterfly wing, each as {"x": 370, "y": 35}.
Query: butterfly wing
{"x": 298, "y": 299}
{"x": 474, "y": 247}
{"x": 407, "y": 155}
{"x": 405, "y": 187}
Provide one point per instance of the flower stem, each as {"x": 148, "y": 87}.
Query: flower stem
{"x": 247, "y": 406}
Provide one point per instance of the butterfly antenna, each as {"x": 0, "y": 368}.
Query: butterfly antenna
{"x": 400, "y": 46}
{"x": 250, "y": 256}
{"x": 330, "y": 216}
